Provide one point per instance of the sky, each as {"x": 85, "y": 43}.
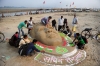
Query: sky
{"x": 52, "y": 3}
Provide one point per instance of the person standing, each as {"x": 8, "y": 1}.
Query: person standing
{"x": 20, "y": 27}
{"x": 54, "y": 24}
{"x": 74, "y": 23}
{"x": 30, "y": 24}
{"x": 46, "y": 20}
{"x": 65, "y": 23}
{"x": 60, "y": 23}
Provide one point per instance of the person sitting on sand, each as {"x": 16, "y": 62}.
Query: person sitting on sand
{"x": 60, "y": 23}
{"x": 46, "y": 20}
{"x": 32, "y": 48}
{"x": 24, "y": 40}
{"x": 68, "y": 31}
{"x": 54, "y": 24}
{"x": 13, "y": 39}
{"x": 80, "y": 42}
{"x": 30, "y": 24}
{"x": 20, "y": 27}
{"x": 16, "y": 36}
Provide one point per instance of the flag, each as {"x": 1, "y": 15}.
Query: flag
{"x": 73, "y": 3}
{"x": 44, "y": 2}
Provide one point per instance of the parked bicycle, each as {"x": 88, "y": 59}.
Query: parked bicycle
{"x": 2, "y": 36}
{"x": 88, "y": 33}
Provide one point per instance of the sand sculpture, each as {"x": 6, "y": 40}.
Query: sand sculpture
{"x": 57, "y": 47}
{"x": 46, "y": 35}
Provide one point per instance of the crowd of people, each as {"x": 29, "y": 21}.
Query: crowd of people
{"x": 27, "y": 47}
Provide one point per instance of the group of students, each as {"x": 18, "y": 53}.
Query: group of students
{"x": 62, "y": 23}
{"x": 22, "y": 42}
{"x": 24, "y": 45}
{"x": 27, "y": 24}
{"x": 61, "y": 27}
{"x": 27, "y": 47}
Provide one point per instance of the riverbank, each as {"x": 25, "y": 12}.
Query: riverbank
{"x": 9, "y": 27}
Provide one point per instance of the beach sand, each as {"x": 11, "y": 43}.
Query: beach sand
{"x": 9, "y": 25}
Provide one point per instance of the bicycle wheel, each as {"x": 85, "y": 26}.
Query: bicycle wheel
{"x": 85, "y": 33}
{"x": 2, "y": 37}
{"x": 98, "y": 38}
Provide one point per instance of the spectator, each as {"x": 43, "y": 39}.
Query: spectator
{"x": 74, "y": 23}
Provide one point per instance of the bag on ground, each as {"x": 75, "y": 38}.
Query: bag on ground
{"x": 23, "y": 50}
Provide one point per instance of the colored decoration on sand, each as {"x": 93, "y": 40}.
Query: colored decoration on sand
{"x": 66, "y": 57}
{"x": 61, "y": 50}
{"x": 68, "y": 39}
{"x": 60, "y": 60}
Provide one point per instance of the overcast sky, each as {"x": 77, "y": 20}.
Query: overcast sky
{"x": 51, "y": 3}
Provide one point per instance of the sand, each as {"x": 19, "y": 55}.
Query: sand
{"x": 9, "y": 25}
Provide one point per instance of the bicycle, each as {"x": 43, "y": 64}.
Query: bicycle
{"x": 2, "y": 36}
{"x": 88, "y": 33}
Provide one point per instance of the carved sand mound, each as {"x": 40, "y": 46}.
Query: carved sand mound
{"x": 57, "y": 46}
{"x": 47, "y": 36}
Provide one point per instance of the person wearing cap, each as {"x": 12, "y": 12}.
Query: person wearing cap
{"x": 46, "y": 20}
{"x": 30, "y": 24}
{"x": 20, "y": 27}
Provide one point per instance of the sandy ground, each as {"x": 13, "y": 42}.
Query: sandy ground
{"x": 9, "y": 25}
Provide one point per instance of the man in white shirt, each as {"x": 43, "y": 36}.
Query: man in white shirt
{"x": 60, "y": 23}
{"x": 30, "y": 24}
